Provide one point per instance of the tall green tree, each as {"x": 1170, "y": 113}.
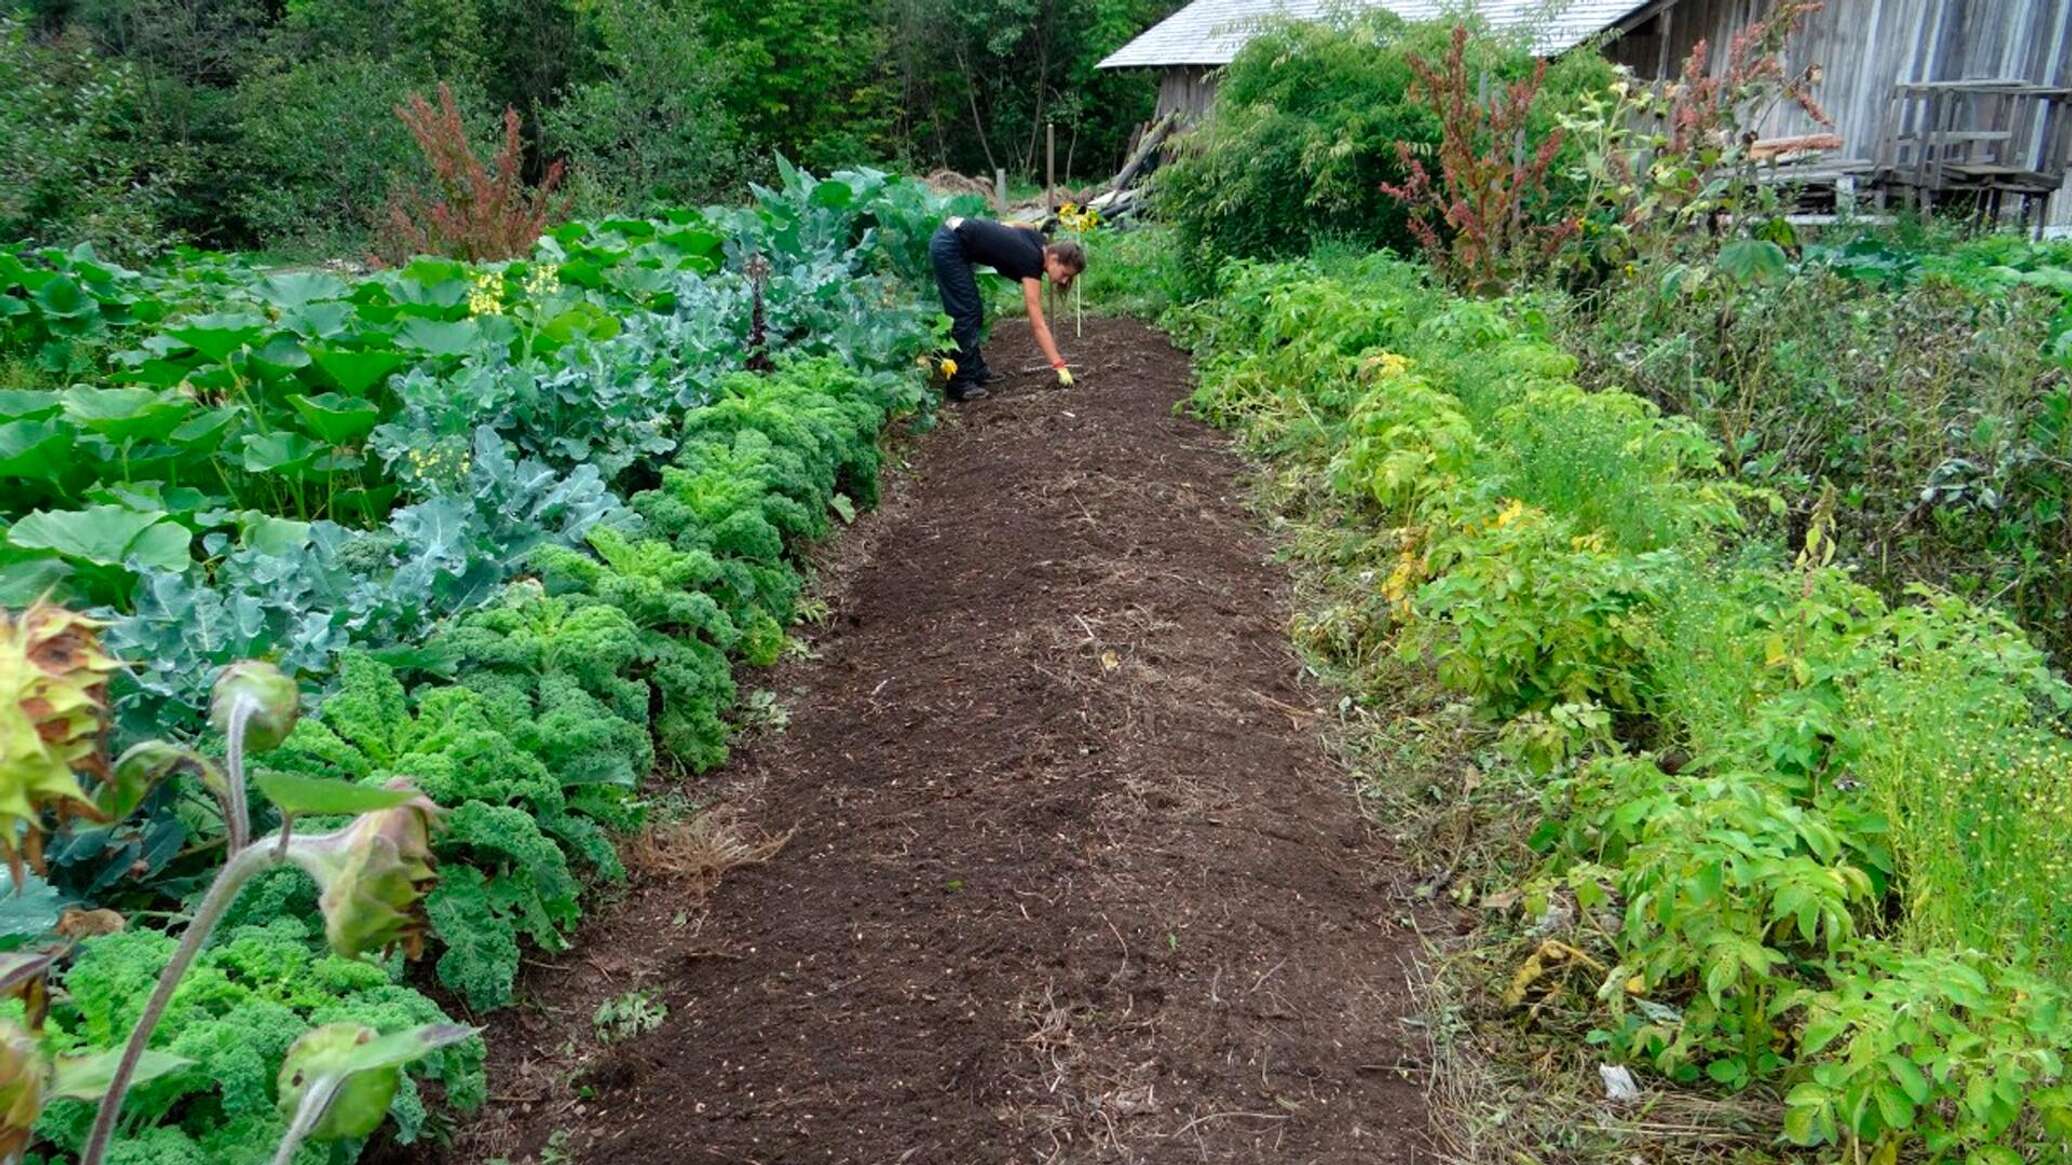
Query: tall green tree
{"x": 806, "y": 77}
{"x": 980, "y": 79}
{"x": 652, "y": 127}
{"x": 82, "y": 164}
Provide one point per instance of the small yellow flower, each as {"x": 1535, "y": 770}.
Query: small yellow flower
{"x": 1385, "y": 366}
{"x": 1074, "y": 217}
{"x": 948, "y": 367}
{"x": 486, "y": 298}
{"x": 544, "y": 279}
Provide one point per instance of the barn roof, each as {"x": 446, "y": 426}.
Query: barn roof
{"x": 1209, "y": 32}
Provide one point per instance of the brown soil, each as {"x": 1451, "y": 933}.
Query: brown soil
{"x": 1073, "y": 877}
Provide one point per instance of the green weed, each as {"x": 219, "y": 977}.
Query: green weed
{"x": 628, "y": 1016}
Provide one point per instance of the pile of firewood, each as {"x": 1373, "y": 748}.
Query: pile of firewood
{"x": 1124, "y": 196}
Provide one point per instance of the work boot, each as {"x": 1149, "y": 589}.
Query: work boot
{"x": 966, "y": 392}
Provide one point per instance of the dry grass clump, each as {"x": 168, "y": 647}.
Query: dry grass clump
{"x": 700, "y": 849}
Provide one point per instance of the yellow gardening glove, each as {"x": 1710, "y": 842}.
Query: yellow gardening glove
{"x": 1064, "y": 377}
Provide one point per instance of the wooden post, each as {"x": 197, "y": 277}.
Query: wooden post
{"x": 1000, "y": 192}
{"x": 1662, "y": 57}
{"x": 1050, "y": 193}
{"x": 1050, "y": 166}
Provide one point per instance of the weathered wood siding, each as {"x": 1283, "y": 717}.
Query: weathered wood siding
{"x": 1864, "y": 47}
{"x": 1189, "y": 89}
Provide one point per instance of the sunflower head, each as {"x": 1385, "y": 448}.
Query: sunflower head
{"x": 53, "y": 700}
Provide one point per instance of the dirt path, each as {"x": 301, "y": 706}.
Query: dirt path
{"x": 1072, "y": 878}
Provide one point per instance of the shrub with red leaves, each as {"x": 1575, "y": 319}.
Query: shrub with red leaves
{"x": 467, "y": 210}
{"x": 1649, "y": 190}
{"x": 1707, "y": 109}
{"x": 1478, "y": 220}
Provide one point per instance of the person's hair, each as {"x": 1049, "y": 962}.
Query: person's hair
{"x": 1069, "y": 253}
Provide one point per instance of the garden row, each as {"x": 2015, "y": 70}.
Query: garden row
{"x": 511, "y": 525}
{"x": 1795, "y": 840}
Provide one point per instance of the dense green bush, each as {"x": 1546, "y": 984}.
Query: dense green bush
{"x": 84, "y": 163}
{"x": 650, "y": 129}
{"x": 319, "y": 147}
{"x": 1929, "y": 399}
{"x": 1305, "y": 130}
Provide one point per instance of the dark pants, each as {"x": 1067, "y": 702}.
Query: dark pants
{"x": 961, "y": 302}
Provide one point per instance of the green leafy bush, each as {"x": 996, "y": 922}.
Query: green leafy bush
{"x": 320, "y": 147}
{"x": 83, "y": 164}
{"x": 1930, "y": 400}
{"x": 651, "y": 130}
{"x": 1407, "y": 445}
{"x": 1305, "y": 131}
{"x": 1526, "y": 613}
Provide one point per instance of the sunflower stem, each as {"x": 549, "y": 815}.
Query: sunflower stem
{"x": 240, "y": 869}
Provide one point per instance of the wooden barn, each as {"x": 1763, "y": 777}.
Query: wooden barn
{"x": 1934, "y": 100}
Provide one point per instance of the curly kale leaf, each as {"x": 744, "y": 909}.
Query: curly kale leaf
{"x": 485, "y": 753}
{"x": 821, "y": 413}
{"x": 654, "y": 583}
{"x": 528, "y": 871}
{"x": 245, "y": 1000}
{"x": 727, "y": 492}
{"x": 533, "y": 634}
{"x": 448, "y": 747}
{"x": 480, "y": 961}
{"x": 513, "y": 884}
{"x": 697, "y": 686}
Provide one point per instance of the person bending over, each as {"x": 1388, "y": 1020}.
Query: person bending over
{"x": 1019, "y": 253}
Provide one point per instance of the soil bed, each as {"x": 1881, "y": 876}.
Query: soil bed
{"x": 1070, "y": 875}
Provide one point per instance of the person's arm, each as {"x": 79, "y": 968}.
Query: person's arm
{"x": 1032, "y": 298}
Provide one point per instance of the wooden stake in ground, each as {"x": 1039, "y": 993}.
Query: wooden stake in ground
{"x": 1050, "y": 192}
{"x": 1050, "y": 167}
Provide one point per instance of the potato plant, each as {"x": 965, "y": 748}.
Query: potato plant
{"x": 1792, "y": 814}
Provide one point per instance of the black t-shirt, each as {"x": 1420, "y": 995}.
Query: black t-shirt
{"x": 1016, "y": 252}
